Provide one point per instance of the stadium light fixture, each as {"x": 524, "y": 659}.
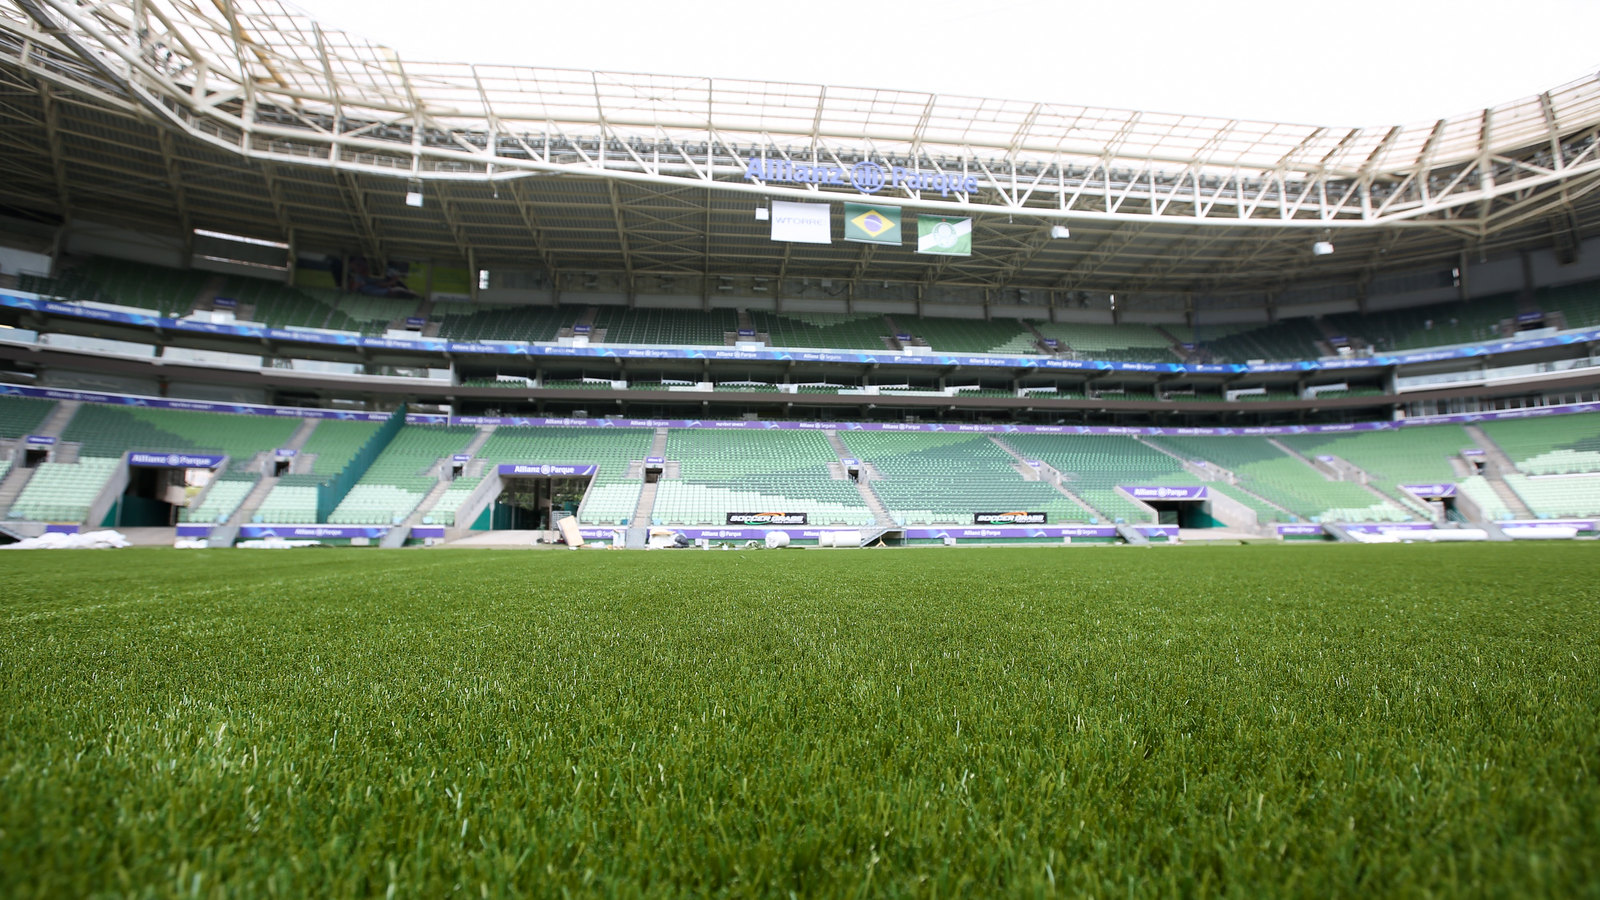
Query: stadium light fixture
{"x": 1322, "y": 248}
{"x": 414, "y": 193}
{"x": 762, "y": 213}
{"x": 1060, "y": 232}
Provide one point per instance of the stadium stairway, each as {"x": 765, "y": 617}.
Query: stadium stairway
{"x": 1336, "y": 468}
{"x": 398, "y": 535}
{"x": 880, "y": 513}
{"x": 1499, "y": 464}
{"x": 16, "y": 478}
{"x": 225, "y": 534}
{"x": 54, "y": 423}
{"x": 646, "y": 504}
{"x": 1200, "y": 472}
{"x": 1049, "y": 475}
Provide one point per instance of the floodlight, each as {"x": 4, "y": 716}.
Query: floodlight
{"x": 1322, "y": 248}
{"x": 762, "y": 213}
{"x": 1060, "y": 231}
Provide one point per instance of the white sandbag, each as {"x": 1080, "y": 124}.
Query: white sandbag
{"x": 839, "y": 539}
{"x": 89, "y": 540}
{"x": 276, "y": 543}
{"x": 1540, "y": 532}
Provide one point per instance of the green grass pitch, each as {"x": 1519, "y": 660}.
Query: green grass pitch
{"x": 1244, "y": 721}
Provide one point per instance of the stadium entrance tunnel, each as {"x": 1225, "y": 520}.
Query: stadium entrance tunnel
{"x": 1194, "y": 506}
{"x": 532, "y": 502}
{"x": 154, "y": 496}
{"x": 1185, "y": 513}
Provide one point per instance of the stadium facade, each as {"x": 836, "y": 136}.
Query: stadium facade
{"x": 968, "y": 304}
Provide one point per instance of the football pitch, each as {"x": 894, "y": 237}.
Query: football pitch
{"x": 1241, "y": 721}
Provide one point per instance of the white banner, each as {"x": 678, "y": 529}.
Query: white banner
{"x": 804, "y": 223}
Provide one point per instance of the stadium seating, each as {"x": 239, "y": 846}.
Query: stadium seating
{"x": 1414, "y": 455}
{"x": 937, "y": 479}
{"x": 1477, "y": 489}
{"x": 1429, "y": 326}
{"x": 280, "y": 305}
{"x": 665, "y": 326}
{"x": 823, "y": 331}
{"x": 157, "y": 288}
{"x": 1288, "y": 339}
{"x": 1580, "y": 303}
{"x": 334, "y": 442}
{"x": 612, "y": 496}
{"x": 221, "y": 499}
{"x": 503, "y": 323}
{"x": 1558, "y": 495}
{"x": 1093, "y": 466}
{"x": 63, "y": 492}
{"x": 972, "y": 335}
{"x": 1552, "y": 445}
{"x": 371, "y": 315}
{"x": 111, "y": 431}
{"x": 401, "y": 475}
{"x": 1132, "y": 343}
{"x": 1270, "y": 473}
{"x": 21, "y": 416}
{"x": 744, "y": 471}
{"x": 331, "y": 446}
{"x": 292, "y": 501}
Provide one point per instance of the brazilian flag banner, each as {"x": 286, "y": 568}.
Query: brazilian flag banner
{"x": 868, "y": 224}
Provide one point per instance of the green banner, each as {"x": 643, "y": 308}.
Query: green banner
{"x": 944, "y": 235}
{"x": 868, "y": 224}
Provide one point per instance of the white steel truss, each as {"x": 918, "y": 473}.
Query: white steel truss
{"x": 262, "y": 80}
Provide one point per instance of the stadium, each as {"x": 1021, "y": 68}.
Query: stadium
{"x": 266, "y": 283}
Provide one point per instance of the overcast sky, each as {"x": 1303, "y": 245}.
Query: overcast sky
{"x": 1335, "y": 62}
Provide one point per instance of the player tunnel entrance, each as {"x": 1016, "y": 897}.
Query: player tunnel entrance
{"x": 1183, "y": 506}
{"x": 533, "y": 496}
{"x": 160, "y": 486}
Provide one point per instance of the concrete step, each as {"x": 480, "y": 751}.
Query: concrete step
{"x": 298, "y": 440}
{"x": 1049, "y": 474}
{"x": 427, "y": 503}
{"x": 54, "y": 423}
{"x": 1509, "y": 496}
{"x": 645, "y": 506}
{"x": 11, "y": 486}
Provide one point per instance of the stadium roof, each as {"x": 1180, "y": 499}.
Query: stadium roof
{"x": 249, "y": 117}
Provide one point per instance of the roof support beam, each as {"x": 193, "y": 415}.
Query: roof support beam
{"x": 58, "y": 163}
{"x": 169, "y": 161}
{"x": 622, "y": 234}
{"x": 356, "y": 205}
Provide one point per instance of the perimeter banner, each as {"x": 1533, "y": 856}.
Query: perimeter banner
{"x": 944, "y": 236}
{"x": 868, "y": 224}
{"x": 547, "y": 469}
{"x": 1010, "y": 518}
{"x": 766, "y": 518}
{"x": 175, "y": 460}
{"x": 802, "y": 223}
{"x": 1164, "y": 492}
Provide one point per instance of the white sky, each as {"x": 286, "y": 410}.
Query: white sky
{"x": 1325, "y": 62}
